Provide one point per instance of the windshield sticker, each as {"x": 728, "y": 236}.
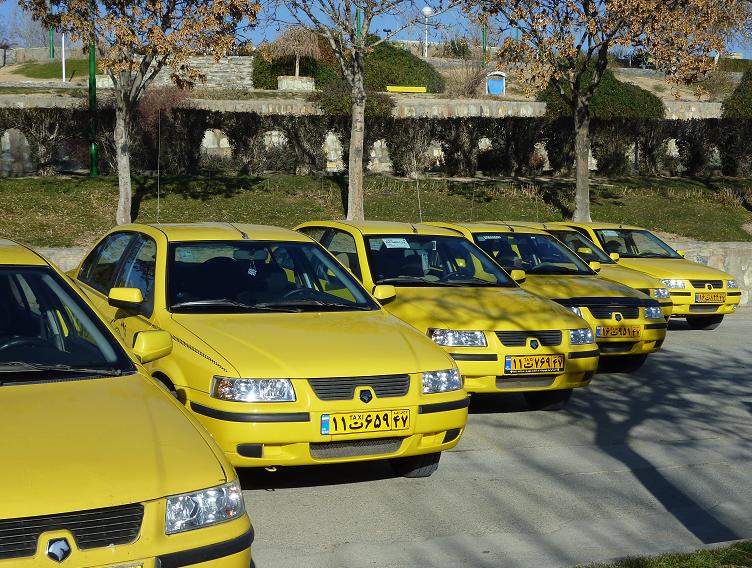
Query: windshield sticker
{"x": 396, "y": 243}
{"x": 184, "y": 255}
{"x": 609, "y": 233}
{"x": 488, "y": 237}
{"x": 424, "y": 260}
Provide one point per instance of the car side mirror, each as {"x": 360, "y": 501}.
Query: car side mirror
{"x": 594, "y": 265}
{"x": 384, "y": 293}
{"x": 518, "y": 275}
{"x": 681, "y": 253}
{"x": 615, "y": 256}
{"x": 125, "y": 298}
{"x": 587, "y": 251}
{"x": 152, "y": 345}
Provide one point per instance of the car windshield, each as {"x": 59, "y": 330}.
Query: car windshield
{"x": 431, "y": 260}
{"x": 259, "y": 276}
{"x": 533, "y": 253}
{"x": 634, "y": 243}
{"x": 586, "y": 249}
{"x": 48, "y": 330}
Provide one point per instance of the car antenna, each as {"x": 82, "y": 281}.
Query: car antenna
{"x": 243, "y": 234}
{"x": 415, "y": 231}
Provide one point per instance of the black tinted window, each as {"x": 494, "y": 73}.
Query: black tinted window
{"x": 98, "y": 270}
{"x": 139, "y": 271}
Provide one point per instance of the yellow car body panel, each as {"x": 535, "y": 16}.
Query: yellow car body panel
{"x": 489, "y": 310}
{"x": 698, "y": 278}
{"x": 294, "y": 346}
{"x": 598, "y": 299}
{"x": 610, "y": 270}
{"x": 78, "y": 445}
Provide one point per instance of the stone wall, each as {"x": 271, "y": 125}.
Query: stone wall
{"x": 37, "y": 54}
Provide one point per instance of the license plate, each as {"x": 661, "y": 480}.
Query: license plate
{"x": 523, "y": 364}
{"x": 710, "y": 297}
{"x": 355, "y": 422}
{"x": 618, "y": 331}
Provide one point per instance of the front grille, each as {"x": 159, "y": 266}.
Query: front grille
{"x": 607, "y": 312}
{"x": 96, "y": 528}
{"x": 354, "y": 448}
{"x": 700, "y": 308}
{"x": 344, "y": 388}
{"x": 525, "y": 383}
{"x": 616, "y": 346}
{"x": 702, "y": 283}
{"x": 550, "y": 338}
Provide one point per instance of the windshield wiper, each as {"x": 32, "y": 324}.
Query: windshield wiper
{"x": 400, "y": 279}
{"x": 314, "y": 303}
{"x": 472, "y": 280}
{"x": 25, "y": 367}
{"x": 227, "y": 303}
{"x": 653, "y": 255}
{"x": 556, "y": 270}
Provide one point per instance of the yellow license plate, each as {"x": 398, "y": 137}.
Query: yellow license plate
{"x": 710, "y": 297}
{"x": 606, "y": 331}
{"x": 523, "y": 364}
{"x": 355, "y": 422}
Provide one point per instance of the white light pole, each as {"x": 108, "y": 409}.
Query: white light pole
{"x": 62, "y": 44}
{"x": 427, "y": 12}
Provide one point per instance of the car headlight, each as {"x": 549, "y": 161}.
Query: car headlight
{"x": 203, "y": 508}
{"x": 576, "y": 310}
{"x": 253, "y": 390}
{"x": 653, "y": 313}
{"x": 732, "y": 285}
{"x": 581, "y": 336}
{"x": 441, "y": 381}
{"x": 454, "y": 338}
{"x": 661, "y": 293}
{"x": 674, "y": 284}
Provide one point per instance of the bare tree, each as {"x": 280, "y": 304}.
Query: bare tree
{"x": 347, "y": 26}
{"x": 296, "y": 42}
{"x": 20, "y": 29}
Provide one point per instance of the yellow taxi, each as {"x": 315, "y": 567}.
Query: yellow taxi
{"x": 502, "y": 338}
{"x": 100, "y": 465}
{"x": 628, "y": 325}
{"x": 701, "y": 294}
{"x": 279, "y": 351}
{"x": 609, "y": 268}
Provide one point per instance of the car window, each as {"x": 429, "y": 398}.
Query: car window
{"x": 431, "y": 260}
{"x": 577, "y": 243}
{"x": 98, "y": 270}
{"x": 139, "y": 272}
{"x": 635, "y": 243}
{"x": 316, "y": 233}
{"x": 43, "y": 323}
{"x": 342, "y": 246}
{"x": 224, "y": 277}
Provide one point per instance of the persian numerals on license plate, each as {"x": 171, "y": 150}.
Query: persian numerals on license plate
{"x": 374, "y": 421}
{"x": 710, "y": 297}
{"x": 630, "y": 331}
{"x": 526, "y": 364}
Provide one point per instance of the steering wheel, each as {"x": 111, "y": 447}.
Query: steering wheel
{"x": 295, "y": 292}
{"x": 451, "y": 274}
{"x": 17, "y": 340}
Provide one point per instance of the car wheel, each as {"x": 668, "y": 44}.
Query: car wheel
{"x": 706, "y": 322}
{"x": 417, "y": 466}
{"x": 548, "y": 400}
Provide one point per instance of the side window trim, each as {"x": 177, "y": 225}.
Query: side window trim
{"x": 119, "y": 265}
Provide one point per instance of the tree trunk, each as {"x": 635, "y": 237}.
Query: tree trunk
{"x": 355, "y": 168}
{"x": 122, "y": 150}
{"x": 297, "y": 65}
{"x": 582, "y": 166}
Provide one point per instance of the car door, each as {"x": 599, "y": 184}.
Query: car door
{"x": 138, "y": 270}
{"x": 100, "y": 268}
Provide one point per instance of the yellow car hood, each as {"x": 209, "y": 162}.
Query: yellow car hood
{"x": 629, "y": 277}
{"x": 86, "y": 444}
{"x": 678, "y": 268}
{"x": 479, "y": 309}
{"x": 564, "y": 286}
{"x": 313, "y": 344}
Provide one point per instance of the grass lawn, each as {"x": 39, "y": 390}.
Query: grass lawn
{"x": 735, "y": 556}
{"x": 64, "y": 211}
{"x": 74, "y": 69}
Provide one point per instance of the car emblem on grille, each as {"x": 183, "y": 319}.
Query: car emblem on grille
{"x": 708, "y": 286}
{"x": 58, "y": 549}
{"x": 534, "y": 344}
{"x": 618, "y": 317}
{"x": 366, "y": 396}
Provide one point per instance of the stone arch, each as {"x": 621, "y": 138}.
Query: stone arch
{"x": 15, "y": 154}
{"x": 215, "y": 144}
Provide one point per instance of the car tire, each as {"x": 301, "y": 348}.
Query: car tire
{"x": 548, "y": 400}
{"x": 704, "y": 322}
{"x": 417, "y": 466}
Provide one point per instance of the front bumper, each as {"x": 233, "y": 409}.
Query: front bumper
{"x": 226, "y": 545}
{"x": 685, "y": 304}
{"x": 651, "y": 338}
{"x": 289, "y": 434}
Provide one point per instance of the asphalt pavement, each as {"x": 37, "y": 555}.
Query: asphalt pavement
{"x": 656, "y": 461}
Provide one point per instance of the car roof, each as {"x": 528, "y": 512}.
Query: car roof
{"x": 499, "y": 227}
{"x": 596, "y": 225}
{"x": 387, "y": 227}
{"x": 14, "y": 253}
{"x": 543, "y": 226}
{"x": 179, "y": 232}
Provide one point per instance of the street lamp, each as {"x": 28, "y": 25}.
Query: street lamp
{"x": 427, "y": 12}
